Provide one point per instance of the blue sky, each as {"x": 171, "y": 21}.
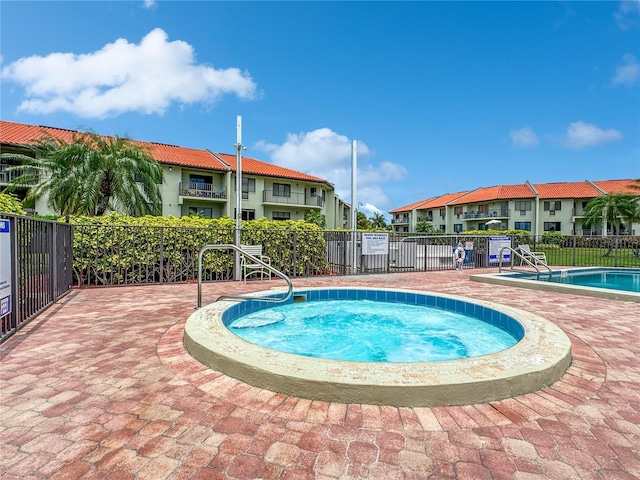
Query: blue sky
{"x": 440, "y": 96}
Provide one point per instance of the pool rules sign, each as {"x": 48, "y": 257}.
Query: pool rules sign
{"x": 5, "y": 268}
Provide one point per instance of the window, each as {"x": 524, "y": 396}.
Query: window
{"x": 443, "y": 212}
{"x": 483, "y": 208}
{"x": 551, "y": 226}
{"x": 457, "y": 210}
{"x": 523, "y": 205}
{"x": 551, "y": 206}
{"x": 201, "y": 212}
{"x": 200, "y": 179}
{"x": 443, "y": 227}
{"x": 457, "y": 227}
{"x": 313, "y": 191}
{"x": 523, "y": 226}
{"x": 281, "y": 190}
{"x": 248, "y": 186}
{"x": 248, "y": 214}
{"x": 281, "y": 215}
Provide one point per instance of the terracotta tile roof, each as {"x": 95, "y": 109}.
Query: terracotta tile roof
{"x": 256, "y": 167}
{"x": 498, "y": 192}
{"x": 566, "y": 190}
{"x": 410, "y": 207}
{"x": 618, "y": 186}
{"x": 433, "y": 202}
{"x": 18, "y": 133}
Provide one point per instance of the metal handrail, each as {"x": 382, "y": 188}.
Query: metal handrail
{"x": 227, "y": 246}
{"x": 522, "y": 257}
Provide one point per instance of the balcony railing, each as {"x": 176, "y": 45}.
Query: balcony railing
{"x": 425, "y": 218}
{"x": 400, "y": 220}
{"x": 578, "y": 212}
{"x": 202, "y": 190}
{"x": 7, "y": 176}
{"x": 490, "y": 214}
{"x": 293, "y": 199}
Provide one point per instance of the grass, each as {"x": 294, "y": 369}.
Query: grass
{"x": 591, "y": 257}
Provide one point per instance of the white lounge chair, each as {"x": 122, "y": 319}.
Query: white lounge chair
{"x": 249, "y": 267}
{"x": 533, "y": 257}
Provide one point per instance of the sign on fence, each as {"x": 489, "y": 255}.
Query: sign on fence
{"x": 497, "y": 243}
{"x": 5, "y": 268}
{"x": 375, "y": 243}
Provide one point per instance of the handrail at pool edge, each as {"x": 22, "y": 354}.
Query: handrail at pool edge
{"x": 226, "y": 246}
{"x": 522, "y": 257}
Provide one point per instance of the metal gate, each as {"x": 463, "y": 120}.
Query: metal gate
{"x": 36, "y": 261}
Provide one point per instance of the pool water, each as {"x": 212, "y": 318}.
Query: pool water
{"x": 371, "y": 331}
{"x": 627, "y": 280}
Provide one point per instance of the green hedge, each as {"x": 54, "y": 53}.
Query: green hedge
{"x": 9, "y": 203}
{"x": 116, "y": 249}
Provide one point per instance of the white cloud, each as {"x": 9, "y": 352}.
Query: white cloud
{"x": 524, "y": 137}
{"x": 327, "y": 154}
{"x": 581, "y": 135}
{"x": 628, "y": 14}
{"x": 150, "y": 4}
{"x": 628, "y": 72}
{"x": 123, "y": 77}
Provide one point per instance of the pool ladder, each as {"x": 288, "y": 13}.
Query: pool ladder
{"x": 228, "y": 246}
{"x": 516, "y": 253}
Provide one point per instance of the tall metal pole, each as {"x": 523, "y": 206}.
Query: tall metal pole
{"x": 238, "y": 146}
{"x": 354, "y": 211}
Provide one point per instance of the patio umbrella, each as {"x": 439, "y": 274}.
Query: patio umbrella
{"x": 492, "y": 222}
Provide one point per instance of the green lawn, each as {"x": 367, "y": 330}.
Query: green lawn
{"x": 591, "y": 257}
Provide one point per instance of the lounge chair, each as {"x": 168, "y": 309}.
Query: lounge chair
{"x": 249, "y": 267}
{"x": 533, "y": 257}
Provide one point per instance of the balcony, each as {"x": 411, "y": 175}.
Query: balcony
{"x": 502, "y": 213}
{"x": 294, "y": 199}
{"x": 399, "y": 221}
{"x": 425, "y": 218}
{"x": 202, "y": 190}
{"x": 7, "y": 176}
{"x": 578, "y": 212}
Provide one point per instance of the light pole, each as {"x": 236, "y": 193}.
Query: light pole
{"x": 239, "y": 148}
{"x": 354, "y": 212}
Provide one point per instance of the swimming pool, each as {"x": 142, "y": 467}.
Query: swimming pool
{"x": 374, "y": 331}
{"x": 538, "y": 359}
{"x": 614, "y": 283}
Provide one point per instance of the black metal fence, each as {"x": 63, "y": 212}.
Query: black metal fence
{"x": 590, "y": 251}
{"x": 36, "y": 268}
{"x": 40, "y": 260}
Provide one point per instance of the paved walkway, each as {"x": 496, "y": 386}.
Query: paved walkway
{"x": 99, "y": 386}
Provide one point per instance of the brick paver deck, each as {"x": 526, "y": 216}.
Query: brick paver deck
{"x": 99, "y": 386}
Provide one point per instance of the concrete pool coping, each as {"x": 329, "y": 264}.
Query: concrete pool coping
{"x": 508, "y": 279}
{"x": 538, "y": 360}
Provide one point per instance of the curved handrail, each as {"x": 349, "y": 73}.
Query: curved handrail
{"x": 226, "y": 246}
{"x": 525, "y": 259}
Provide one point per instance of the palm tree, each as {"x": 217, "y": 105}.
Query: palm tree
{"x": 121, "y": 176}
{"x": 314, "y": 216}
{"x": 611, "y": 209}
{"x": 378, "y": 221}
{"x": 90, "y": 174}
{"x": 51, "y": 167}
{"x": 362, "y": 222}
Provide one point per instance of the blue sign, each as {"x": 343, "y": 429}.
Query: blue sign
{"x": 5, "y": 268}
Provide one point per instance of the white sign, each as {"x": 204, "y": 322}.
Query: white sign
{"x": 495, "y": 245}
{"x": 5, "y": 268}
{"x": 375, "y": 244}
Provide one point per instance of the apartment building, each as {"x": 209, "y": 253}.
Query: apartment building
{"x": 202, "y": 182}
{"x": 537, "y": 208}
